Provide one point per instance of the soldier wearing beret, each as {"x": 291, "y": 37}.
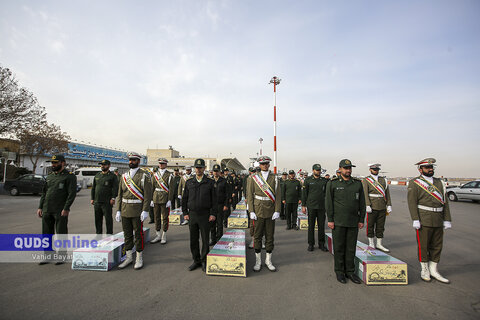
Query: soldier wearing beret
{"x": 58, "y": 195}
{"x": 199, "y": 204}
{"x": 430, "y": 213}
{"x": 313, "y": 203}
{"x": 133, "y": 202}
{"x": 379, "y": 205}
{"x": 264, "y": 196}
{"x": 291, "y": 195}
{"x": 162, "y": 186}
{"x": 345, "y": 204}
{"x": 104, "y": 191}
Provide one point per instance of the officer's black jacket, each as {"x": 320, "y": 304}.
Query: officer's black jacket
{"x": 222, "y": 191}
{"x": 199, "y": 197}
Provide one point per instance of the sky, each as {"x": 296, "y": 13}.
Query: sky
{"x": 388, "y": 82}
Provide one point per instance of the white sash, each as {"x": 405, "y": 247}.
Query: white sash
{"x": 131, "y": 186}
{"x": 430, "y": 189}
{"x": 377, "y": 186}
{"x": 263, "y": 185}
{"x": 160, "y": 181}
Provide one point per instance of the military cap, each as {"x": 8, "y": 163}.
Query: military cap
{"x": 345, "y": 163}
{"x": 264, "y": 159}
{"x": 284, "y": 173}
{"x": 57, "y": 157}
{"x": 104, "y": 161}
{"x": 305, "y": 173}
{"x": 316, "y": 166}
{"x": 291, "y": 172}
{"x": 176, "y": 169}
{"x": 216, "y": 167}
{"x": 134, "y": 155}
{"x": 225, "y": 169}
{"x": 162, "y": 161}
{"x": 116, "y": 170}
{"x": 426, "y": 162}
{"x": 199, "y": 163}
{"x": 251, "y": 169}
{"x": 188, "y": 168}
{"x": 374, "y": 165}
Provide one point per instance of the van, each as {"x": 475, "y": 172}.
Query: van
{"x": 86, "y": 175}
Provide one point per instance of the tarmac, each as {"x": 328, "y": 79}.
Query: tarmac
{"x": 304, "y": 287}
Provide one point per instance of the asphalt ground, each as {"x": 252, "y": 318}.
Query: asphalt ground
{"x": 304, "y": 287}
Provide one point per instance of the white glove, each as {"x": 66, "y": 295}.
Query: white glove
{"x": 276, "y": 215}
{"x": 143, "y": 216}
{"x": 152, "y": 204}
{"x": 169, "y": 204}
{"x": 118, "y": 217}
{"x": 180, "y": 197}
{"x": 416, "y": 224}
{"x": 389, "y": 209}
{"x": 447, "y": 225}
{"x": 253, "y": 216}
{"x": 369, "y": 209}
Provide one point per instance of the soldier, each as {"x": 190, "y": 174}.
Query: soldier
{"x": 327, "y": 176}
{"x": 291, "y": 195}
{"x": 222, "y": 190}
{"x": 313, "y": 199}
{"x": 162, "y": 199}
{"x": 262, "y": 195}
{"x": 199, "y": 205}
{"x": 133, "y": 201}
{"x": 345, "y": 204}
{"x": 251, "y": 222}
{"x": 283, "y": 215}
{"x": 379, "y": 205}
{"x": 430, "y": 213}
{"x": 175, "y": 183}
{"x": 181, "y": 186}
{"x": 230, "y": 182}
{"x": 104, "y": 191}
{"x": 235, "y": 189}
{"x": 58, "y": 195}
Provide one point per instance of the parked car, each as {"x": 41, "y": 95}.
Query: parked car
{"x": 469, "y": 191}
{"x": 28, "y": 183}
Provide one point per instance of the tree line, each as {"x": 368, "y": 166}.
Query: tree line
{"x": 23, "y": 118}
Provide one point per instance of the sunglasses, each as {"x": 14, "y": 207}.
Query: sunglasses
{"x": 428, "y": 167}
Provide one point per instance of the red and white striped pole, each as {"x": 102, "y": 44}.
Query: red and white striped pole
{"x": 275, "y": 81}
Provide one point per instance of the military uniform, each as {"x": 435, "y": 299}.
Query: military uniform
{"x": 283, "y": 215}
{"x": 313, "y": 198}
{"x": 292, "y": 193}
{"x": 264, "y": 207}
{"x": 133, "y": 202}
{"x": 104, "y": 189}
{"x": 430, "y": 211}
{"x": 176, "y": 203}
{"x": 251, "y": 222}
{"x": 345, "y": 204}
{"x": 379, "y": 205}
{"x": 222, "y": 190}
{"x": 231, "y": 183}
{"x": 162, "y": 186}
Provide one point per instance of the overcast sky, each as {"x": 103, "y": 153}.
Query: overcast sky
{"x": 373, "y": 81}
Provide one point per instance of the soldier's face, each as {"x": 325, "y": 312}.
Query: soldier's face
{"x": 264, "y": 166}
{"x": 291, "y": 175}
{"x": 133, "y": 163}
{"x": 346, "y": 171}
{"x": 189, "y": 171}
{"x": 374, "y": 171}
{"x": 316, "y": 173}
{"x": 427, "y": 171}
{"x": 57, "y": 165}
{"x": 105, "y": 167}
{"x": 162, "y": 165}
{"x": 216, "y": 174}
{"x": 199, "y": 171}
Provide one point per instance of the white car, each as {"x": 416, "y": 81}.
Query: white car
{"x": 469, "y": 191}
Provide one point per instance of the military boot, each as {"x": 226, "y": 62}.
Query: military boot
{"x": 425, "y": 273}
{"x": 138, "y": 261}
{"x": 157, "y": 238}
{"x": 268, "y": 263}
{"x": 127, "y": 261}
{"x": 434, "y": 273}
{"x": 258, "y": 262}
{"x": 164, "y": 237}
{"x": 371, "y": 243}
{"x": 380, "y": 246}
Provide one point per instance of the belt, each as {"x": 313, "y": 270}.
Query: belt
{"x": 375, "y": 195}
{"x": 131, "y": 201}
{"x": 430, "y": 208}
{"x": 160, "y": 189}
{"x": 262, "y": 198}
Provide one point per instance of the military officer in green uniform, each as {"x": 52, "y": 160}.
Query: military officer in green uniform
{"x": 251, "y": 222}
{"x": 284, "y": 178}
{"x": 103, "y": 194}
{"x": 430, "y": 213}
{"x": 313, "y": 203}
{"x": 291, "y": 195}
{"x": 222, "y": 191}
{"x": 181, "y": 186}
{"x": 230, "y": 181}
{"x": 345, "y": 204}
{"x": 176, "y": 203}
{"x": 162, "y": 181}
{"x": 263, "y": 196}
{"x": 133, "y": 202}
{"x": 379, "y": 205}
{"x": 58, "y": 194}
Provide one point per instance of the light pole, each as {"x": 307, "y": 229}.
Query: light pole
{"x": 276, "y": 81}
{"x": 260, "y": 140}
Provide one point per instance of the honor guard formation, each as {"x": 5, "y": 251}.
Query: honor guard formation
{"x": 344, "y": 203}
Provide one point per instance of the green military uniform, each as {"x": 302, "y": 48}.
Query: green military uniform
{"x": 431, "y": 213}
{"x": 130, "y": 207}
{"x": 104, "y": 189}
{"x": 313, "y": 197}
{"x": 264, "y": 208}
{"x": 161, "y": 197}
{"x": 283, "y": 215}
{"x": 292, "y": 193}
{"x": 175, "y": 200}
{"x": 345, "y": 205}
{"x": 58, "y": 194}
{"x": 377, "y": 196}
